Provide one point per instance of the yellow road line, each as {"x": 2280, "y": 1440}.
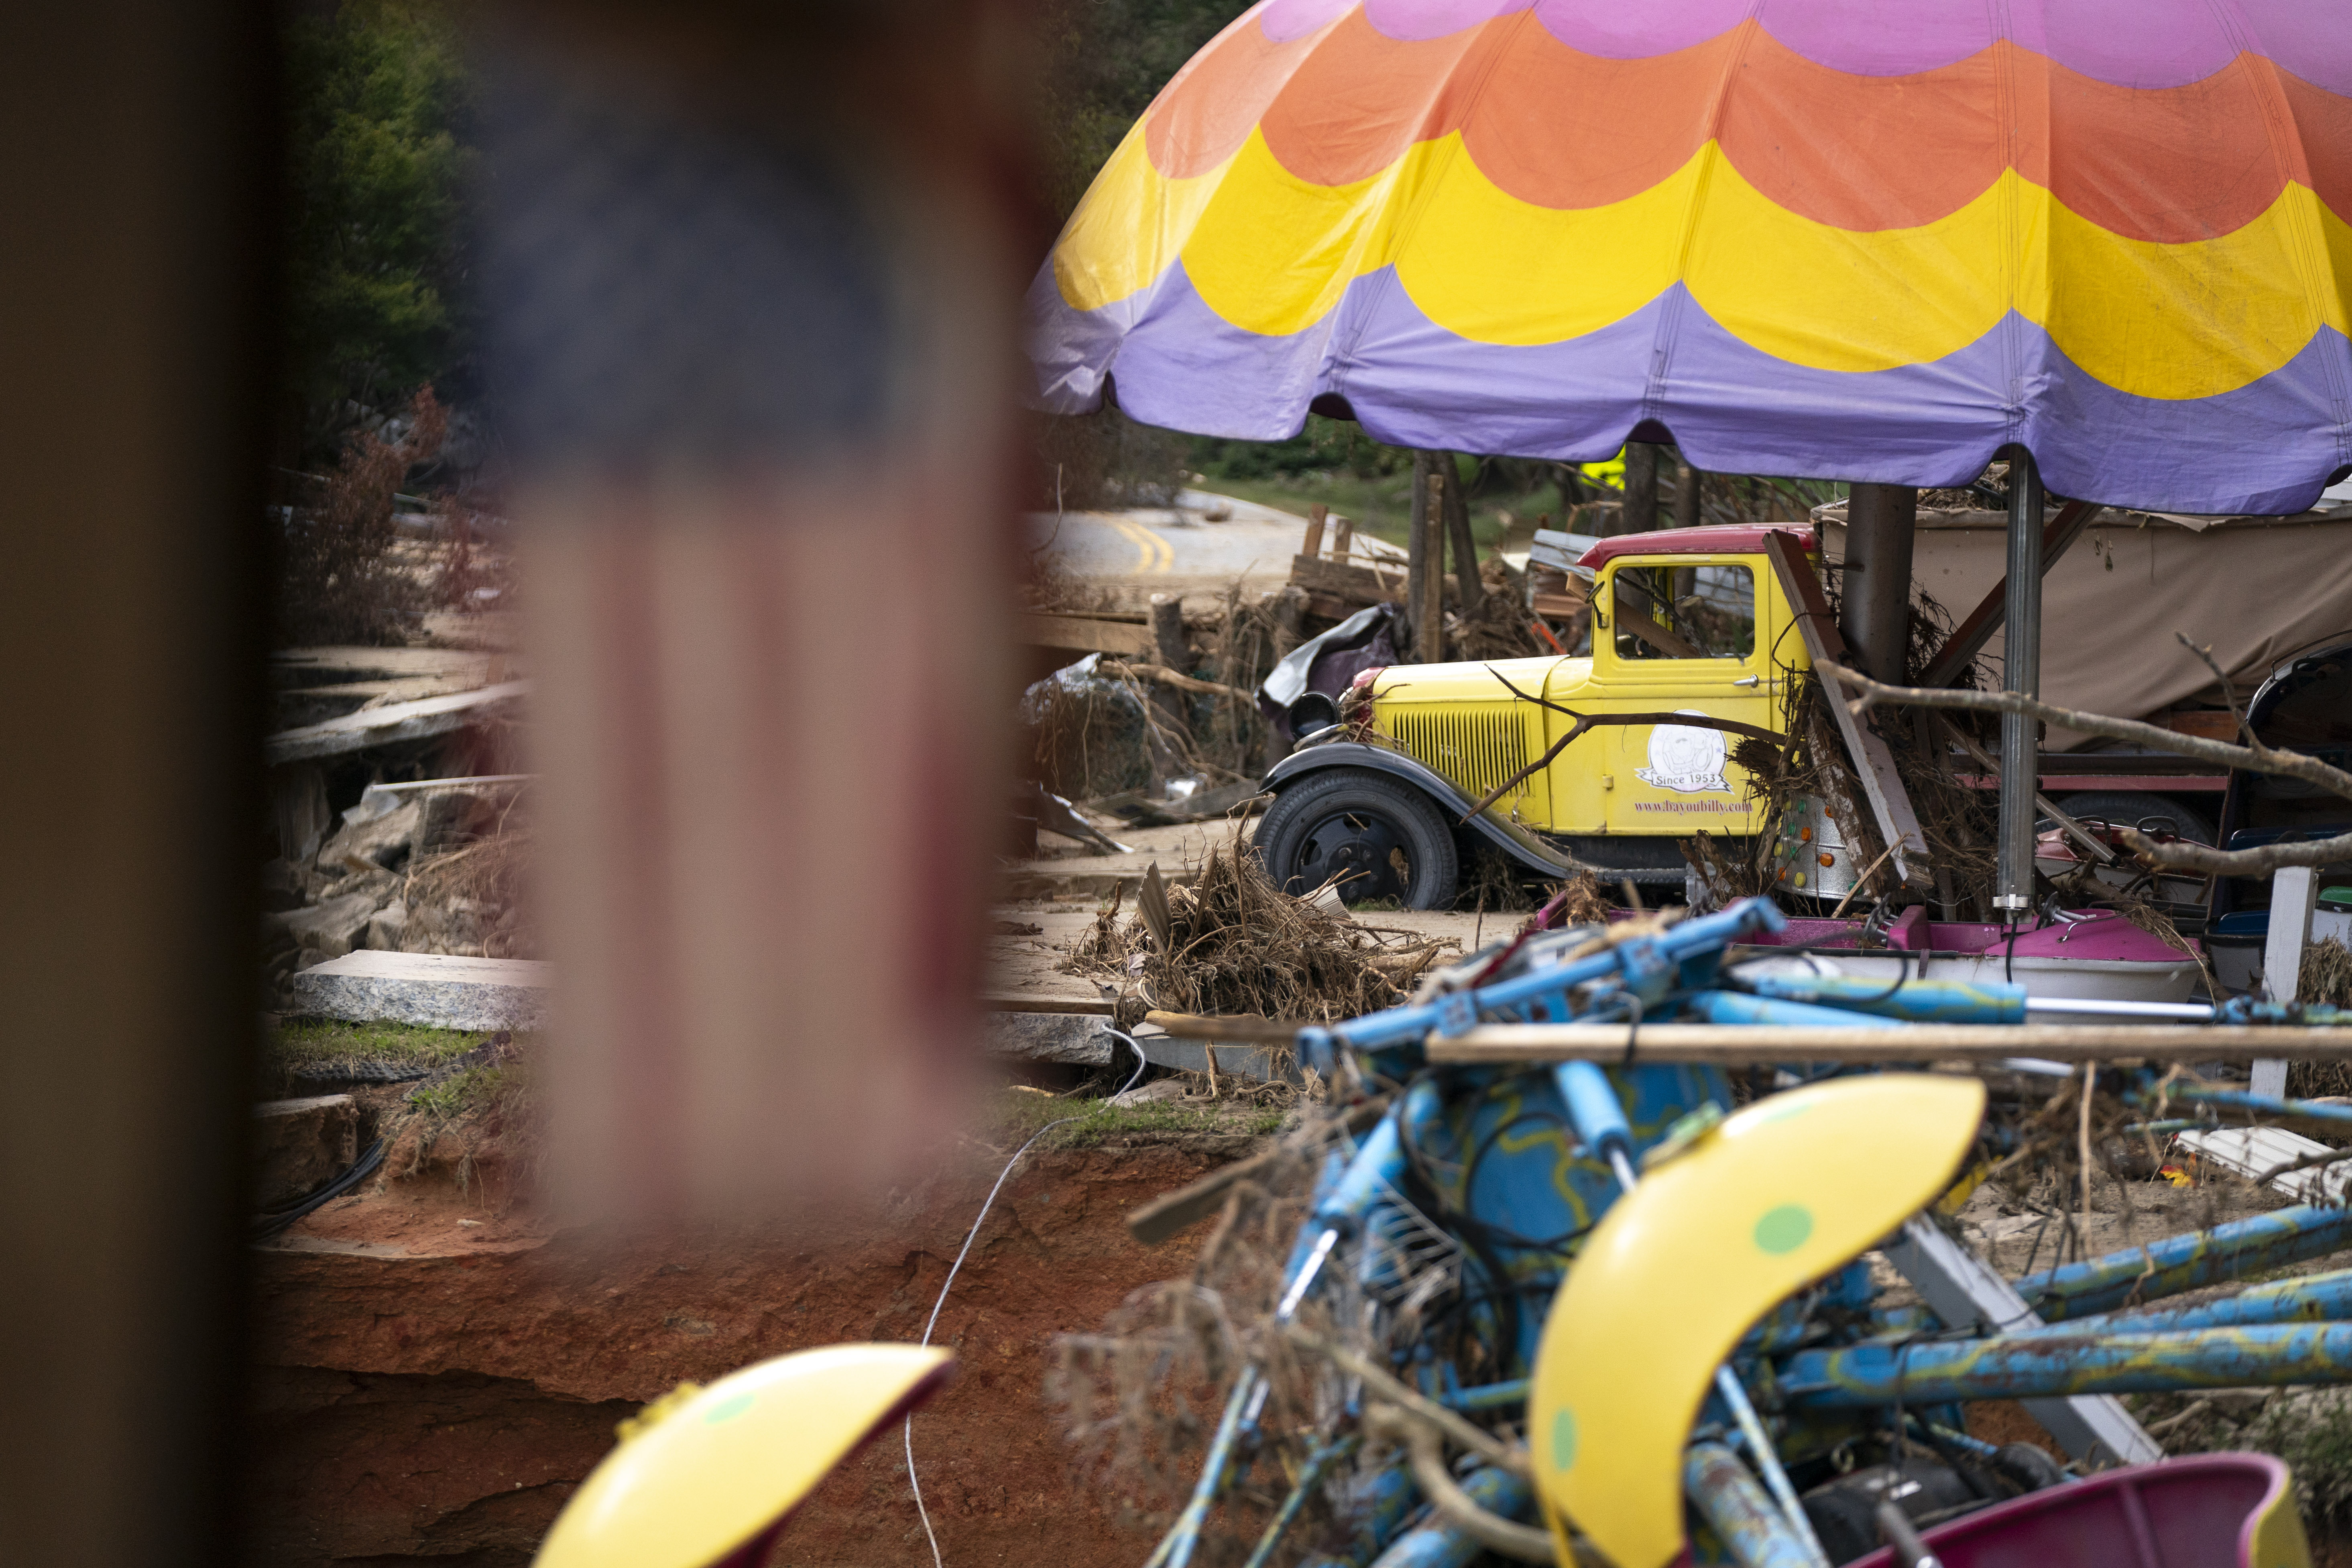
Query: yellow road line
{"x": 1141, "y": 542}
{"x": 1152, "y": 552}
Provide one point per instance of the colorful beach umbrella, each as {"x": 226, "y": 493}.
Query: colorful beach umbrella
{"x": 1848, "y": 239}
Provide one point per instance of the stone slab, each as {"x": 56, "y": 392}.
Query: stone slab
{"x": 1072, "y": 1037}
{"x": 333, "y": 928}
{"x": 429, "y": 990}
{"x": 1192, "y": 1055}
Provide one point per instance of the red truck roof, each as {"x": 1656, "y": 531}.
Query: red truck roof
{"x": 1716, "y": 539}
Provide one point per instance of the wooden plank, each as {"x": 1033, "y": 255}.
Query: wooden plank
{"x": 1732, "y": 1045}
{"x": 1166, "y": 1215}
{"x": 383, "y": 726}
{"x": 1340, "y": 580}
{"x": 1085, "y": 634}
{"x": 1312, "y": 544}
{"x": 1001, "y": 1002}
{"x": 1890, "y": 803}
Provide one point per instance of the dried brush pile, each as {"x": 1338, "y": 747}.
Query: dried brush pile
{"x": 2326, "y": 977}
{"x": 1140, "y": 1400}
{"x": 1236, "y": 945}
{"x": 1499, "y": 628}
{"x": 470, "y": 898}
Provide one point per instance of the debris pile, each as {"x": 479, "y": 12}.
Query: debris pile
{"x": 1233, "y": 944}
{"x": 433, "y": 868}
{"x": 1139, "y": 1400}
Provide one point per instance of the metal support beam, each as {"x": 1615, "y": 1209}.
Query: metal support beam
{"x": 1962, "y": 1289}
{"x": 1875, "y": 612}
{"x": 2022, "y": 656}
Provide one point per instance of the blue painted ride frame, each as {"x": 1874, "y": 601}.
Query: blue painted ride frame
{"x": 1494, "y": 1157}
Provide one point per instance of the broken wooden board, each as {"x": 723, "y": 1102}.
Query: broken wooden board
{"x": 1085, "y": 634}
{"x": 382, "y": 726}
{"x": 1890, "y": 803}
{"x": 1346, "y": 582}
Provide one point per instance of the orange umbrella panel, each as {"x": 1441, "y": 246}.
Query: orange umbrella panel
{"x": 1804, "y": 236}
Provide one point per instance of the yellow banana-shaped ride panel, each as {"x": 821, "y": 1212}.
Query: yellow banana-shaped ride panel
{"x": 1785, "y": 1191}
{"x": 712, "y": 1474}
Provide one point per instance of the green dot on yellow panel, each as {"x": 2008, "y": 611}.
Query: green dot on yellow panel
{"x": 1563, "y": 1439}
{"x": 1784, "y": 1229}
{"x": 726, "y": 1410}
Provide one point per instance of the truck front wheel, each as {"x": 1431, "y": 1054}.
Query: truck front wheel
{"x": 1380, "y": 838}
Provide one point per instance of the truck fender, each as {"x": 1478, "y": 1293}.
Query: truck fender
{"x": 1521, "y": 845}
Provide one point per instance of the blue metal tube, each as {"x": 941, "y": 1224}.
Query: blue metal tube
{"x": 2180, "y": 1263}
{"x": 2044, "y": 1365}
{"x": 1183, "y": 1537}
{"x": 2255, "y": 1104}
{"x": 1917, "y": 1001}
{"x": 1378, "y": 1504}
{"x": 1707, "y": 934}
{"x": 1310, "y": 1476}
{"x": 1736, "y": 1508}
{"x": 1593, "y": 1111}
{"x": 2318, "y": 1298}
{"x": 1739, "y": 1007}
{"x": 1951, "y": 1438}
{"x": 1438, "y": 1542}
{"x": 1487, "y": 1396}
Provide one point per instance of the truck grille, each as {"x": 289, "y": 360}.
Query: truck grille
{"x": 1477, "y": 750}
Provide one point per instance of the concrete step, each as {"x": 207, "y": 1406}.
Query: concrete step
{"x": 430, "y": 990}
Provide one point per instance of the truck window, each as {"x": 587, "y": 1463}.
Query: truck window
{"x": 1685, "y": 612}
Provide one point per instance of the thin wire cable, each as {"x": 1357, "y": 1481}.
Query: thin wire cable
{"x": 1142, "y": 1064}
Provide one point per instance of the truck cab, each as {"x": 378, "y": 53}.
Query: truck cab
{"x": 1685, "y": 621}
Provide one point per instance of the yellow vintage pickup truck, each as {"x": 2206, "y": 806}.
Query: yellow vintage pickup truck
{"x": 1684, "y": 621}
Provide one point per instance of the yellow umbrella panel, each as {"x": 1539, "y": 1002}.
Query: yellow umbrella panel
{"x": 709, "y": 1479}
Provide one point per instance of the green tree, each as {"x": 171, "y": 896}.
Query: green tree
{"x": 376, "y": 160}
{"x": 1104, "y": 62}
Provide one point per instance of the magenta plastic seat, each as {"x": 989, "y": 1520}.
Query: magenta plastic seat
{"x": 2209, "y": 1510}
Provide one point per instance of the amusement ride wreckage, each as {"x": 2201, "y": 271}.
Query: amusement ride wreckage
{"x": 1715, "y": 1378}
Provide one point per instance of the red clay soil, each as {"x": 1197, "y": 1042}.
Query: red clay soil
{"x": 432, "y": 1389}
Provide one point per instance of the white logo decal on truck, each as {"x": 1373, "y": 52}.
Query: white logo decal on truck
{"x": 1685, "y": 758}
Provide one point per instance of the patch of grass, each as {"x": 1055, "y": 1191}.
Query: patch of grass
{"x": 1014, "y": 1116}
{"x": 304, "y": 1042}
{"x": 461, "y": 1093}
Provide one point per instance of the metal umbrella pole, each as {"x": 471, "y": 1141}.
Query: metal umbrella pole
{"x": 2020, "y": 761}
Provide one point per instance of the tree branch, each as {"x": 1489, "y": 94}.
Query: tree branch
{"x": 1167, "y": 676}
{"x": 1505, "y": 1537}
{"x": 2176, "y": 856}
{"x": 1381, "y": 1384}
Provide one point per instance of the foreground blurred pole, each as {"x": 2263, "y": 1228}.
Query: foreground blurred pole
{"x": 134, "y": 169}
{"x": 750, "y": 291}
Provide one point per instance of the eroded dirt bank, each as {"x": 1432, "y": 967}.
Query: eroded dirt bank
{"x": 431, "y": 1389}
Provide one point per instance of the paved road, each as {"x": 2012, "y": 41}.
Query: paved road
{"x": 1254, "y": 541}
